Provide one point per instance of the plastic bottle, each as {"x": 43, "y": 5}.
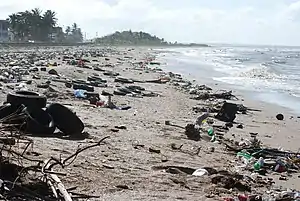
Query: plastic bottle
{"x": 208, "y": 131}
{"x": 246, "y": 160}
{"x": 259, "y": 164}
{"x": 200, "y": 119}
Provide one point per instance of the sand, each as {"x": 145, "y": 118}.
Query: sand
{"x": 125, "y": 160}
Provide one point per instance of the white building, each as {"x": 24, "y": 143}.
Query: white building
{"x": 4, "y": 36}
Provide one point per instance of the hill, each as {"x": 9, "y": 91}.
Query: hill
{"x": 131, "y": 38}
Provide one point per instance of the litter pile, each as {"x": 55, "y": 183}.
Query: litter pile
{"x": 25, "y": 109}
{"x": 23, "y": 177}
{"x": 254, "y": 162}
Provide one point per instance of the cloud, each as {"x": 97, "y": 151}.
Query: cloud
{"x": 194, "y": 21}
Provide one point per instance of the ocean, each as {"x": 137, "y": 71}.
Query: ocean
{"x": 269, "y": 74}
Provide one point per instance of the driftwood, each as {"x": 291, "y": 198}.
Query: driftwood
{"x": 55, "y": 183}
{"x": 13, "y": 189}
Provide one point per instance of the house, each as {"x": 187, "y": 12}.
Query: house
{"x": 4, "y": 36}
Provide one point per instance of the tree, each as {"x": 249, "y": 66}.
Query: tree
{"x": 74, "y": 29}
{"x": 36, "y": 20}
{"x": 68, "y": 30}
{"x": 38, "y": 26}
{"x": 131, "y": 38}
{"x": 48, "y": 23}
{"x": 14, "y": 22}
{"x": 74, "y": 34}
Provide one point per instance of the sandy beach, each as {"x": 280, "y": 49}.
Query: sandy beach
{"x": 149, "y": 159}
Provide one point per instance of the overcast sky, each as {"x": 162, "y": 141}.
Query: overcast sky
{"x": 207, "y": 21}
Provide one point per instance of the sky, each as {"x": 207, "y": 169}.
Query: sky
{"x": 262, "y": 22}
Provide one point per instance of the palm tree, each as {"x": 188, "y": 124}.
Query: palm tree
{"x": 36, "y": 21}
{"x": 74, "y": 29}
{"x": 68, "y": 30}
{"x": 13, "y": 24}
{"x": 48, "y": 23}
{"x": 49, "y": 18}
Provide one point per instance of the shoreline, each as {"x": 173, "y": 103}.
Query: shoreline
{"x": 149, "y": 159}
{"x": 249, "y": 95}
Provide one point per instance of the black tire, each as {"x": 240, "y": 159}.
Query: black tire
{"x": 38, "y": 122}
{"x": 8, "y": 114}
{"x": 27, "y": 98}
{"x": 65, "y": 119}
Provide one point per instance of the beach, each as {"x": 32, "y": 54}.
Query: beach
{"x": 140, "y": 159}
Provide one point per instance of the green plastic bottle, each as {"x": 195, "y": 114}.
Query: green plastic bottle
{"x": 259, "y": 164}
{"x": 210, "y": 131}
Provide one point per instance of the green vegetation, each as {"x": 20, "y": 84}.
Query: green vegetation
{"x": 130, "y": 38}
{"x": 37, "y": 26}
{"x": 139, "y": 38}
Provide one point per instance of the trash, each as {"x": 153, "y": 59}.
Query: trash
{"x": 227, "y": 112}
{"x": 38, "y": 121}
{"x": 28, "y": 98}
{"x": 123, "y": 80}
{"x": 43, "y": 86}
{"x": 114, "y": 130}
{"x": 245, "y": 160}
{"x": 162, "y": 80}
{"x": 244, "y": 143}
{"x": 200, "y": 172}
{"x": 240, "y": 126}
{"x": 192, "y": 132}
{"x": 154, "y": 150}
{"x": 53, "y": 72}
{"x": 280, "y": 166}
{"x": 259, "y": 164}
{"x": 109, "y": 73}
{"x": 201, "y": 118}
{"x": 65, "y": 119}
{"x": 279, "y": 117}
{"x": 79, "y": 93}
{"x": 83, "y": 87}
{"x": 68, "y": 84}
{"x": 22, "y": 87}
{"x": 121, "y": 127}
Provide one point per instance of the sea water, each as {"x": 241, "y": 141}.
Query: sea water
{"x": 266, "y": 73}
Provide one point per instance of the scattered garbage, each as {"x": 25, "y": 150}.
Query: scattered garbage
{"x": 79, "y": 93}
{"x": 27, "y": 113}
{"x": 200, "y": 129}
